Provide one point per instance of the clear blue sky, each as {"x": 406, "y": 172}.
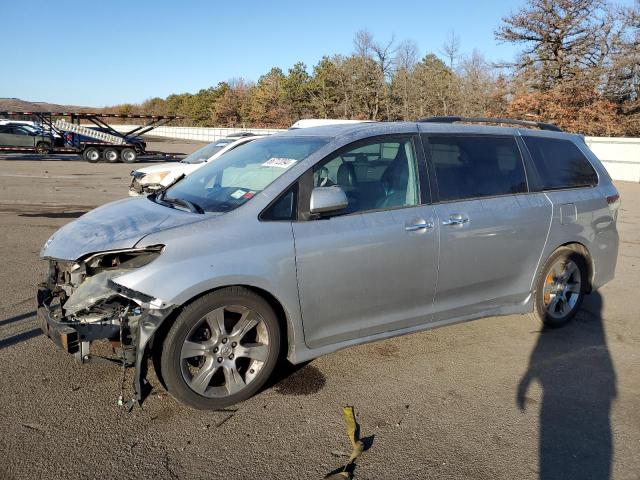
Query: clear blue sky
{"x": 98, "y": 53}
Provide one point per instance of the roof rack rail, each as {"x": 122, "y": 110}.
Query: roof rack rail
{"x": 510, "y": 121}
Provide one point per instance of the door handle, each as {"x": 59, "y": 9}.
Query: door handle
{"x": 456, "y": 219}
{"x": 418, "y": 226}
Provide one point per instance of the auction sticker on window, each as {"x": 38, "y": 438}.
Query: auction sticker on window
{"x": 238, "y": 193}
{"x": 279, "y": 162}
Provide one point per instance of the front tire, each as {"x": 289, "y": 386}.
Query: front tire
{"x": 561, "y": 287}
{"x": 221, "y": 349}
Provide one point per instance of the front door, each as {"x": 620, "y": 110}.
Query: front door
{"x": 373, "y": 268}
{"x": 20, "y": 137}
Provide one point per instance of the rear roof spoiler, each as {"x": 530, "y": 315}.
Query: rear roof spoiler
{"x": 509, "y": 121}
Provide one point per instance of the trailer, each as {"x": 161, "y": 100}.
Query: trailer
{"x": 62, "y": 133}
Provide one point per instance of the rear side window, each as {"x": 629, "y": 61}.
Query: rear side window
{"x": 476, "y": 166}
{"x": 559, "y": 164}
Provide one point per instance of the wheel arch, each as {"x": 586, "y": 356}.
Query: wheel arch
{"x": 284, "y": 319}
{"x": 582, "y": 249}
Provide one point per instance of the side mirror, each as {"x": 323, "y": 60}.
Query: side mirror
{"x": 328, "y": 200}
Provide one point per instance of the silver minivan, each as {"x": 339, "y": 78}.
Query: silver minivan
{"x": 313, "y": 240}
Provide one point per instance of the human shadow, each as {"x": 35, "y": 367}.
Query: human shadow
{"x": 573, "y": 367}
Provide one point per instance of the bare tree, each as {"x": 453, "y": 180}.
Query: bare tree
{"x": 406, "y": 55}
{"x": 451, "y": 48}
{"x": 363, "y": 43}
{"x": 373, "y": 66}
{"x": 477, "y": 85}
{"x": 402, "y": 82}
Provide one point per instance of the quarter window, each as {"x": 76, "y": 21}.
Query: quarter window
{"x": 476, "y": 166}
{"x": 377, "y": 175}
{"x": 559, "y": 164}
{"x": 284, "y": 208}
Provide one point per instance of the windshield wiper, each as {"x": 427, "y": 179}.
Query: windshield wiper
{"x": 160, "y": 196}
{"x": 193, "y": 207}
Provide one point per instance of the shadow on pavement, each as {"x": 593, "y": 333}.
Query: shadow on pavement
{"x": 17, "y": 318}
{"x": 53, "y": 214}
{"x": 574, "y": 369}
{"x": 302, "y": 379}
{"x": 20, "y": 337}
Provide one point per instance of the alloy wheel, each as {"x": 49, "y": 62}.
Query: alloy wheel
{"x": 224, "y": 351}
{"x": 562, "y": 288}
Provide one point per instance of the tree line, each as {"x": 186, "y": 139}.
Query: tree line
{"x": 578, "y": 67}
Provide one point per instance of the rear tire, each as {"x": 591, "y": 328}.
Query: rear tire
{"x": 42, "y": 148}
{"x": 91, "y": 154}
{"x": 111, "y": 155}
{"x": 221, "y": 349}
{"x": 129, "y": 155}
{"x": 561, "y": 287}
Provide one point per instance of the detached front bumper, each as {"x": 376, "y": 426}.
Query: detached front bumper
{"x": 71, "y": 336}
{"x": 64, "y": 336}
{"x": 131, "y": 330}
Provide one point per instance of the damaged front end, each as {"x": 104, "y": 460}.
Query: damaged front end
{"x": 81, "y": 302}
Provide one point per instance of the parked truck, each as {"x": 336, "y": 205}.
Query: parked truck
{"x": 63, "y": 133}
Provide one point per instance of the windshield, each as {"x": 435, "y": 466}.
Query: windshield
{"x": 208, "y": 151}
{"x": 240, "y": 174}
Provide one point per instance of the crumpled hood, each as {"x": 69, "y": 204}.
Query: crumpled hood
{"x": 116, "y": 225}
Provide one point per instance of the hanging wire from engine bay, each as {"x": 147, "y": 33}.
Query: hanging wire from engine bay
{"x": 121, "y": 403}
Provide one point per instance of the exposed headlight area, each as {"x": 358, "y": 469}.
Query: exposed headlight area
{"x": 142, "y": 182}
{"x": 153, "y": 178}
{"x": 76, "y": 284}
{"x": 120, "y": 259}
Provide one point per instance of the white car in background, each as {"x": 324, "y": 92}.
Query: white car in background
{"x": 319, "y": 122}
{"x": 150, "y": 179}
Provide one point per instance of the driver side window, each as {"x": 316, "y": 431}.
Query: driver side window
{"x": 378, "y": 175}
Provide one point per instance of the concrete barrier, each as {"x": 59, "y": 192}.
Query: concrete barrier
{"x": 201, "y": 134}
{"x": 620, "y": 156}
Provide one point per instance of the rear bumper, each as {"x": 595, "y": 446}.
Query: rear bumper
{"x": 604, "y": 253}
